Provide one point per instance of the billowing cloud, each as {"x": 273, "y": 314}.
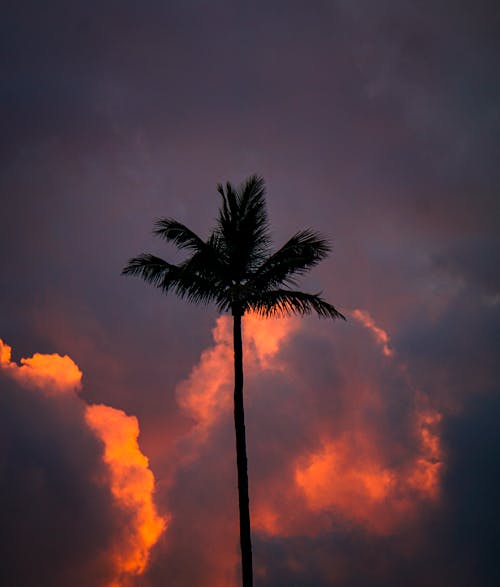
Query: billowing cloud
{"x": 51, "y": 373}
{"x": 207, "y": 392}
{"x": 348, "y": 476}
{"x": 88, "y": 481}
{"x": 350, "y": 471}
{"x": 132, "y": 485}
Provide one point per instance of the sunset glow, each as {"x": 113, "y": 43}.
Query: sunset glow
{"x": 207, "y": 392}
{"x": 53, "y": 373}
{"x": 132, "y": 485}
{"x": 348, "y": 475}
{"x": 168, "y": 164}
{"x": 379, "y": 334}
{"x": 339, "y": 479}
{"x": 425, "y": 476}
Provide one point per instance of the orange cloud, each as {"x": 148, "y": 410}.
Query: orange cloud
{"x": 380, "y": 334}
{"x": 132, "y": 485}
{"x": 52, "y": 373}
{"x": 425, "y": 476}
{"x": 263, "y": 339}
{"x": 131, "y": 481}
{"x": 348, "y": 476}
{"x": 352, "y": 473}
{"x": 337, "y": 475}
{"x": 208, "y": 391}
{"x": 5, "y": 353}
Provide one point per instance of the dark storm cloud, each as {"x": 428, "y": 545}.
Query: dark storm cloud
{"x": 474, "y": 261}
{"x": 454, "y": 354}
{"x": 56, "y": 522}
{"x": 470, "y": 528}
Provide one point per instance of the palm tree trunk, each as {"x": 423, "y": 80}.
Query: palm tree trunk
{"x": 241, "y": 456}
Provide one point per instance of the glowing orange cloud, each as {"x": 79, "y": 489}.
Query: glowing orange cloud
{"x": 5, "y": 353}
{"x": 132, "y": 485}
{"x": 348, "y": 476}
{"x": 338, "y": 478}
{"x": 263, "y": 338}
{"x": 426, "y": 474}
{"x": 132, "y": 482}
{"x": 380, "y": 334}
{"x": 208, "y": 391}
{"x": 52, "y": 373}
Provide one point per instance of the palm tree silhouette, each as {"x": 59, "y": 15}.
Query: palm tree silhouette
{"x": 235, "y": 269}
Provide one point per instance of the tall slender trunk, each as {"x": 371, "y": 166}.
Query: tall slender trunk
{"x": 241, "y": 456}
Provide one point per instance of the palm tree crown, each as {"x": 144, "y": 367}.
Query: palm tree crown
{"x": 234, "y": 267}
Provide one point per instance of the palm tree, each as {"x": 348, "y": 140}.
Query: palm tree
{"x": 235, "y": 269}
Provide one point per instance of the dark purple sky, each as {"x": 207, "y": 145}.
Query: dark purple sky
{"x": 376, "y": 123}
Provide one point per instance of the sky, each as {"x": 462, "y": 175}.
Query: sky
{"x": 373, "y": 444}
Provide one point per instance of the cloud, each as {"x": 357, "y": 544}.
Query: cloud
{"x": 453, "y": 540}
{"x": 76, "y": 491}
{"x": 51, "y": 373}
{"x": 380, "y": 334}
{"x": 132, "y": 485}
{"x": 349, "y": 470}
{"x": 355, "y": 459}
{"x": 311, "y": 470}
{"x": 207, "y": 392}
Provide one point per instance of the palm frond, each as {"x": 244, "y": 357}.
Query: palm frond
{"x": 252, "y": 199}
{"x": 284, "y": 302}
{"x": 191, "y": 286}
{"x": 303, "y": 251}
{"x": 180, "y": 279}
{"x": 229, "y": 210}
{"x": 177, "y": 233}
{"x": 150, "y": 268}
{"x": 254, "y": 223}
{"x": 207, "y": 256}
{"x": 243, "y": 226}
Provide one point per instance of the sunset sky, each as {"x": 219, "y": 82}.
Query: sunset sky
{"x": 373, "y": 444}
